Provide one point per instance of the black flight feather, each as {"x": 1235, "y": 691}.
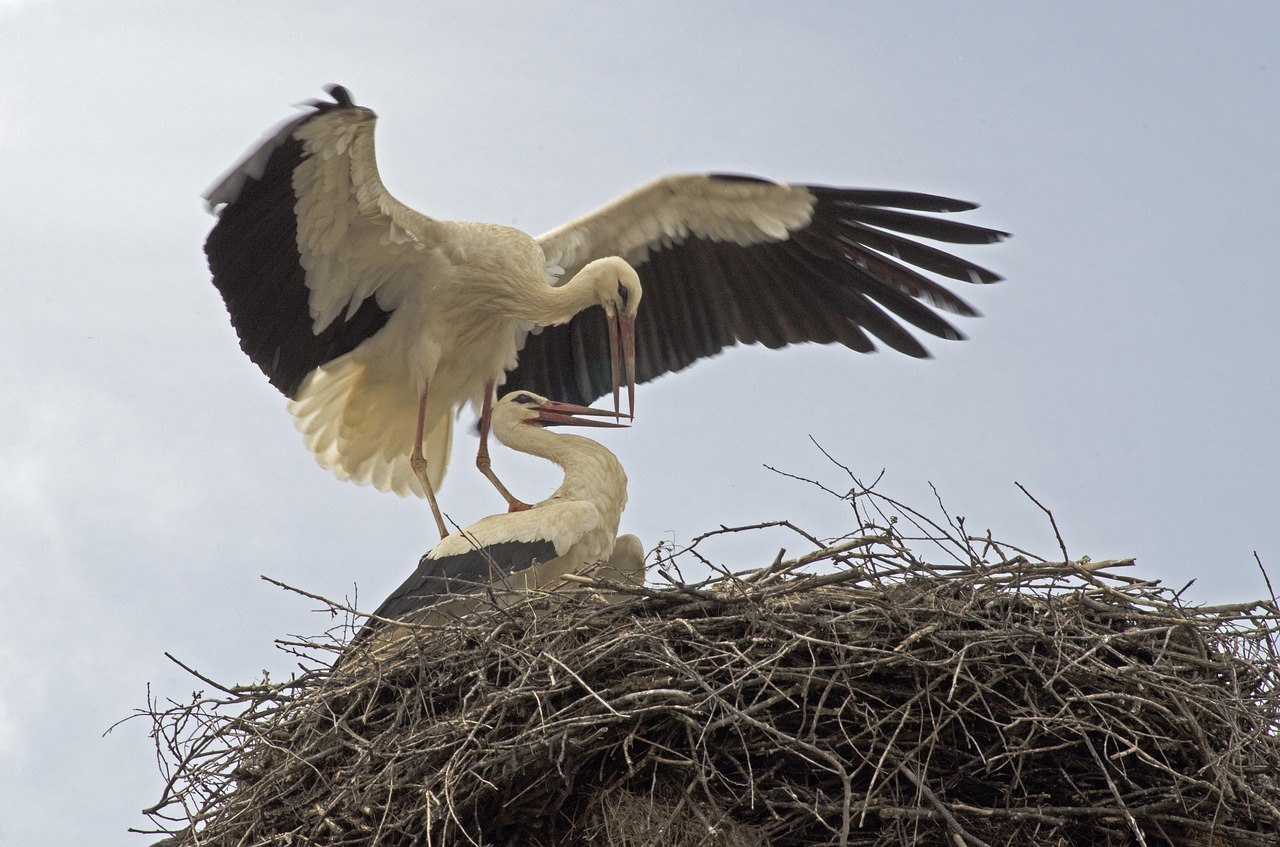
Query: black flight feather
{"x": 253, "y": 256}
{"x": 843, "y": 276}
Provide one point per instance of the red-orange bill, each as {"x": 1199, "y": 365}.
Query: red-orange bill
{"x": 614, "y": 364}
{"x": 554, "y": 412}
{"x": 627, "y": 329}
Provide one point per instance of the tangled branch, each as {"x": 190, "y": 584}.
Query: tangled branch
{"x": 991, "y": 698}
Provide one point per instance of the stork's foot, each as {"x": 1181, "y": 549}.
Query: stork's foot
{"x": 513, "y": 504}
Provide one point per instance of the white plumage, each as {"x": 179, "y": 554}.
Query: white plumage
{"x": 575, "y": 530}
{"x": 378, "y": 322}
{"x": 580, "y": 518}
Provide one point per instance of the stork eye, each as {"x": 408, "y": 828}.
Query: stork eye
{"x": 623, "y": 294}
{"x": 526, "y": 398}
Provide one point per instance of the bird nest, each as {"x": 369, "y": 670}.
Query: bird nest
{"x": 879, "y": 699}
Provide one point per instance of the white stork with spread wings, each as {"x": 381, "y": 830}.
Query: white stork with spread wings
{"x": 575, "y": 530}
{"x": 378, "y": 322}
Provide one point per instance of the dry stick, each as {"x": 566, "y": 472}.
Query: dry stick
{"x": 803, "y": 479}
{"x": 1062, "y": 545}
{"x": 952, "y": 823}
{"x": 835, "y": 632}
{"x": 815, "y": 556}
{"x": 233, "y": 692}
{"x": 1272, "y": 647}
{"x": 1115, "y": 792}
{"x": 904, "y": 713}
{"x": 765, "y": 525}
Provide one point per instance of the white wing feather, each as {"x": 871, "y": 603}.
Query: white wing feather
{"x": 562, "y": 522}
{"x": 670, "y": 209}
{"x": 354, "y": 238}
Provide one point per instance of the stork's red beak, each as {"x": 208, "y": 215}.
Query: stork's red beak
{"x": 555, "y": 413}
{"x": 622, "y": 339}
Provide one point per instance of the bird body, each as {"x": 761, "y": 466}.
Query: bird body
{"x": 579, "y": 519}
{"x": 505, "y": 556}
{"x": 379, "y": 322}
{"x": 457, "y": 332}
{"x": 453, "y": 331}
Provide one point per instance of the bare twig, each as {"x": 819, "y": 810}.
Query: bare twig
{"x": 1019, "y": 699}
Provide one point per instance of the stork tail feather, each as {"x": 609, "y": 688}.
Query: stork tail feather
{"x": 362, "y": 429}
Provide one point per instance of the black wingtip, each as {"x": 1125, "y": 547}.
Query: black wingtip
{"x": 340, "y": 95}
{"x": 342, "y": 99}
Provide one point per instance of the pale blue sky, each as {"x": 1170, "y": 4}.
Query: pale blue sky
{"x": 1126, "y": 372}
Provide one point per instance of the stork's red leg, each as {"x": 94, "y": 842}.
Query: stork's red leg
{"x": 482, "y": 458}
{"x": 419, "y": 464}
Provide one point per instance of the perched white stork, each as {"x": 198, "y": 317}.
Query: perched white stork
{"x": 377, "y": 322}
{"x": 575, "y": 530}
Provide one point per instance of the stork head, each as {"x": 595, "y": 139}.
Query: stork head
{"x": 525, "y": 407}
{"x": 618, "y": 287}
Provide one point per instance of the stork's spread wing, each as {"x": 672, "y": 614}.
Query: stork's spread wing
{"x": 310, "y": 252}
{"x": 728, "y": 259}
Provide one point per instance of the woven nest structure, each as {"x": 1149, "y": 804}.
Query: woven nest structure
{"x": 856, "y": 695}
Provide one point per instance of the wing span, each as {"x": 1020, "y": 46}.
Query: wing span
{"x": 730, "y": 259}
{"x": 310, "y": 252}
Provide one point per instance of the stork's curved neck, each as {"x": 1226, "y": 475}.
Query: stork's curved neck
{"x": 556, "y": 304}
{"x": 591, "y": 472}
